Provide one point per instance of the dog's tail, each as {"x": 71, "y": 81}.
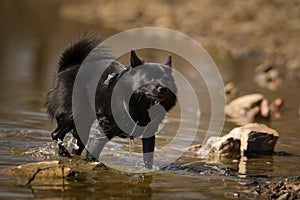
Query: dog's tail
{"x": 59, "y": 98}
{"x": 75, "y": 53}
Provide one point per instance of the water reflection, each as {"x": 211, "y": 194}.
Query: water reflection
{"x": 251, "y": 167}
{"x": 124, "y": 186}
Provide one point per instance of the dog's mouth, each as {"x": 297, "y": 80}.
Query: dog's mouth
{"x": 156, "y": 99}
{"x": 155, "y": 94}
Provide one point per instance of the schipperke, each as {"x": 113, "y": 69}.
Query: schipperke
{"x": 150, "y": 85}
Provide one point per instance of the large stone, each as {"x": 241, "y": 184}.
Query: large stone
{"x": 51, "y": 171}
{"x": 247, "y": 140}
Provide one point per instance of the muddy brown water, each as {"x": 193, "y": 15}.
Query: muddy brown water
{"x": 32, "y": 37}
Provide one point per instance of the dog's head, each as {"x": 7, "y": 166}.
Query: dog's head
{"x": 154, "y": 82}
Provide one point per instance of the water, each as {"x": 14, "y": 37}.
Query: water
{"x": 30, "y": 48}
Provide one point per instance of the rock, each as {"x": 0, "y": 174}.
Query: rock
{"x": 50, "y": 171}
{"x": 244, "y": 109}
{"x": 275, "y": 106}
{"x": 194, "y": 147}
{"x": 265, "y": 109}
{"x": 246, "y": 106}
{"x": 231, "y": 91}
{"x": 267, "y": 76}
{"x": 247, "y": 140}
{"x": 288, "y": 188}
{"x": 205, "y": 149}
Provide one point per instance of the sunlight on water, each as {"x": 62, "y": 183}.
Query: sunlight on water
{"x": 127, "y": 163}
{"x": 45, "y": 152}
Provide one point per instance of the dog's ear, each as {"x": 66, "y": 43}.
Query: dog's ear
{"x": 169, "y": 61}
{"x": 134, "y": 59}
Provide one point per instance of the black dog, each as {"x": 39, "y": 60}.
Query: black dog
{"x": 150, "y": 86}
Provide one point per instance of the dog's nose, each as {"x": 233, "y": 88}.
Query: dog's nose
{"x": 161, "y": 89}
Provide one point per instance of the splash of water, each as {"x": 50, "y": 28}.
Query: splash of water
{"x": 70, "y": 144}
{"x": 45, "y": 152}
{"x": 49, "y": 150}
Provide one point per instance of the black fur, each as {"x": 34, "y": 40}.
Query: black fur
{"x": 156, "y": 86}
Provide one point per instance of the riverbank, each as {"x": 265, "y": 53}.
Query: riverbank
{"x": 269, "y": 30}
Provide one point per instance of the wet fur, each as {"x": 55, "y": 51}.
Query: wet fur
{"x": 59, "y": 98}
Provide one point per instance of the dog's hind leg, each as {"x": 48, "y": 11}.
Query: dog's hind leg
{"x": 64, "y": 126}
{"x": 80, "y": 144}
{"x": 62, "y": 151}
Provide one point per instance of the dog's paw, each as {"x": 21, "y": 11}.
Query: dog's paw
{"x": 90, "y": 158}
{"x": 62, "y": 151}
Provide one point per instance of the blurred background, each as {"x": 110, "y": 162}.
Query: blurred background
{"x": 33, "y": 33}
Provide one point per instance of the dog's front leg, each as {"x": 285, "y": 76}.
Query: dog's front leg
{"x": 148, "y": 151}
{"x": 95, "y": 146}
